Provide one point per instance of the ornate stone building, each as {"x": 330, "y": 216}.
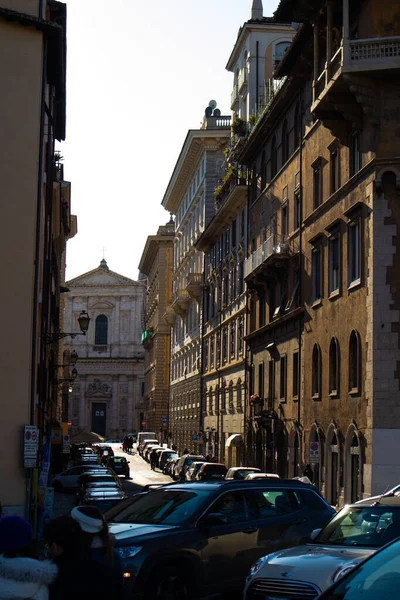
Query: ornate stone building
{"x": 156, "y": 264}
{"x": 189, "y": 196}
{"x": 110, "y": 381}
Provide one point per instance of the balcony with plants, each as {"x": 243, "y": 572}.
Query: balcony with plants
{"x": 234, "y": 182}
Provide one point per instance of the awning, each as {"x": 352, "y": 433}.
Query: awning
{"x": 234, "y": 440}
{"x": 86, "y": 436}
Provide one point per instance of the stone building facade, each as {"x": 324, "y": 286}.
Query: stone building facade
{"x": 321, "y": 274}
{"x": 110, "y": 381}
{"x": 189, "y": 196}
{"x": 156, "y": 263}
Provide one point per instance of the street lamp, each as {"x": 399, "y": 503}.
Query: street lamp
{"x": 55, "y": 336}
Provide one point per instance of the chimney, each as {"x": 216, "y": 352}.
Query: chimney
{"x": 257, "y": 10}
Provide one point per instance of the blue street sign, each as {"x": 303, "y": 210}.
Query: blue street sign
{"x": 164, "y": 420}
{"x": 195, "y": 437}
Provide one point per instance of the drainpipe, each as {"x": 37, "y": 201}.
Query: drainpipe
{"x": 202, "y": 361}
{"x": 257, "y": 75}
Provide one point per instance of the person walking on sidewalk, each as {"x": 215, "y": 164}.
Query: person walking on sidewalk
{"x": 21, "y": 575}
{"x": 80, "y": 577}
{"x": 153, "y": 460}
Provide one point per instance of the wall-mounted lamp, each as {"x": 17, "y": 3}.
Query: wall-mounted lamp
{"x": 55, "y": 336}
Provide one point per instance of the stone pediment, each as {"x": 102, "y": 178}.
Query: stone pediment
{"x": 98, "y": 389}
{"x": 100, "y": 277}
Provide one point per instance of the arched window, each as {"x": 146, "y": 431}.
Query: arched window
{"x": 285, "y": 142}
{"x": 274, "y": 158}
{"x": 280, "y": 49}
{"x": 101, "y": 330}
{"x": 354, "y": 363}
{"x": 296, "y": 127}
{"x": 316, "y": 372}
{"x": 334, "y": 367}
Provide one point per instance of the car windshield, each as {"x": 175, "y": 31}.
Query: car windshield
{"x": 378, "y": 577}
{"x": 362, "y": 526}
{"x": 241, "y": 474}
{"x": 162, "y": 506}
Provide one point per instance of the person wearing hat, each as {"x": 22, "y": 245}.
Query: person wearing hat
{"x": 80, "y": 576}
{"x": 22, "y": 576}
{"x": 97, "y": 537}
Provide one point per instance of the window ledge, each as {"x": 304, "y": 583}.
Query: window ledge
{"x": 354, "y": 392}
{"x": 317, "y": 303}
{"x": 295, "y": 398}
{"x": 334, "y": 394}
{"x": 316, "y": 397}
{"x": 333, "y": 295}
{"x": 354, "y": 285}
{"x": 282, "y": 400}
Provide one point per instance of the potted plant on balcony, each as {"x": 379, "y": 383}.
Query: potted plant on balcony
{"x": 239, "y": 127}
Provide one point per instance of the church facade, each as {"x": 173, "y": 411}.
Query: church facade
{"x": 110, "y": 382}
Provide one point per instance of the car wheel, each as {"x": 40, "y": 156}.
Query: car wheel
{"x": 169, "y": 583}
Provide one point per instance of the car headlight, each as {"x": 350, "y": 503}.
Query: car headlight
{"x": 128, "y": 551}
{"x": 257, "y": 566}
{"x": 342, "y": 571}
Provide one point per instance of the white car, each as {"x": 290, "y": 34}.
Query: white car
{"x": 68, "y": 480}
{"x": 303, "y": 572}
{"x": 253, "y": 476}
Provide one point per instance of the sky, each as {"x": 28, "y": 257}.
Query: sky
{"x": 140, "y": 73}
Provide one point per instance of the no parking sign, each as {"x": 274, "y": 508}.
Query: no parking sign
{"x": 314, "y": 452}
{"x": 30, "y": 446}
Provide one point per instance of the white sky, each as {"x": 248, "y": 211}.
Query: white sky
{"x": 140, "y": 73}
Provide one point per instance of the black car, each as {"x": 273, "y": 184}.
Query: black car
{"x": 119, "y": 465}
{"x": 201, "y": 539}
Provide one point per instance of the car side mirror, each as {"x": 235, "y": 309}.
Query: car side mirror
{"x": 212, "y": 520}
{"x": 314, "y": 533}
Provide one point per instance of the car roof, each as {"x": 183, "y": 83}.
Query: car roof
{"x": 379, "y": 501}
{"x": 235, "y": 484}
{"x": 212, "y": 464}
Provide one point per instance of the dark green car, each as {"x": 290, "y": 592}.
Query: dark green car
{"x": 192, "y": 540}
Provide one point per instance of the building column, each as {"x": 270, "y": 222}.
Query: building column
{"x": 130, "y": 404}
{"x": 114, "y": 404}
{"x": 82, "y": 402}
{"x": 346, "y": 21}
{"x": 329, "y": 26}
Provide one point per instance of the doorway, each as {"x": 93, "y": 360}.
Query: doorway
{"x": 99, "y": 418}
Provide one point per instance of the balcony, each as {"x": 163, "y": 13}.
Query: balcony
{"x": 232, "y": 186}
{"x": 242, "y": 81}
{"x": 180, "y": 302}
{"x": 169, "y": 316}
{"x": 337, "y": 97}
{"x": 275, "y": 250}
{"x": 194, "y": 285}
{"x": 235, "y": 97}
{"x": 217, "y": 122}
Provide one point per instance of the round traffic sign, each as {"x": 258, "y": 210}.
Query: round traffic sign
{"x": 33, "y": 436}
{"x": 27, "y": 435}
{"x": 314, "y": 446}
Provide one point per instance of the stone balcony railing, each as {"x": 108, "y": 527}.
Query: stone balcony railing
{"x": 180, "y": 302}
{"x": 242, "y": 79}
{"x": 194, "y": 285}
{"x": 274, "y": 246}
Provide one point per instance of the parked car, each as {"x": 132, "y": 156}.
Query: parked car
{"x": 211, "y": 471}
{"x": 149, "y": 449}
{"x": 202, "y": 537}
{"x": 376, "y": 578}
{"x": 253, "y": 476}
{"x": 69, "y": 480}
{"x": 93, "y": 477}
{"x": 145, "y": 443}
{"x": 97, "y": 486}
{"x": 119, "y": 465}
{"x": 193, "y": 470}
{"x": 240, "y": 472}
{"x": 113, "y": 441}
{"x": 165, "y": 456}
{"x": 355, "y": 533}
{"x": 104, "y": 499}
{"x": 170, "y": 466}
{"x": 184, "y": 463}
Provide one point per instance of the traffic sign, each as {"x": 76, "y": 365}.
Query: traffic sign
{"x": 164, "y": 420}
{"x": 66, "y": 446}
{"x": 195, "y": 437}
{"x": 30, "y": 446}
{"x": 314, "y": 452}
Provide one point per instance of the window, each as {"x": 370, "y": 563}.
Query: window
{"x": 317, "y": 271}
{"x": 206, "y": 345}
{"x": 354, "y": 363}
{"x": 335, "y": 178}
{"x": 261, "y": 380}
{"x": 317, "y": 182}
{"x": 101, "y": 330}
{"x": 334, "y": 262}
{"x": 295, "y": 383}
{"x": 316, "y": 372}
{"x": 233, "y": 339}
{"x": 224, "y": 344}
{"x": 280, "y": 49}
{"x": 355, "y": 153}
{"x": 234, "y": 234}
{"x": 282, "y": 300}
{"x": 242, "y": 225}
{"x": 283, "y": 383}
{"x": 334, "y": 367}
{"x": 354, "y": 252}
{"x": 212, "y": 346}
{"x": 271, "y": 383}
{"x": 284, "y": 217}
{"x": 274, "y": 158}
{"x": 285, "y": 142}
{"x": 263, "y": 171}
{"x": 293, "y": 301}
{"x": 240, "y": 335}
{"x": 296, "y": 214}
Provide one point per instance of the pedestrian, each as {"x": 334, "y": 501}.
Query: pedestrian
{"x": 186, "y": 451}
{"x": 308, "y": 472}
{"x": 21, "y": 575}
{"x": 97, "y": 537}
{"x": 80, "y": 577}
{"x": 153, "y": 460}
